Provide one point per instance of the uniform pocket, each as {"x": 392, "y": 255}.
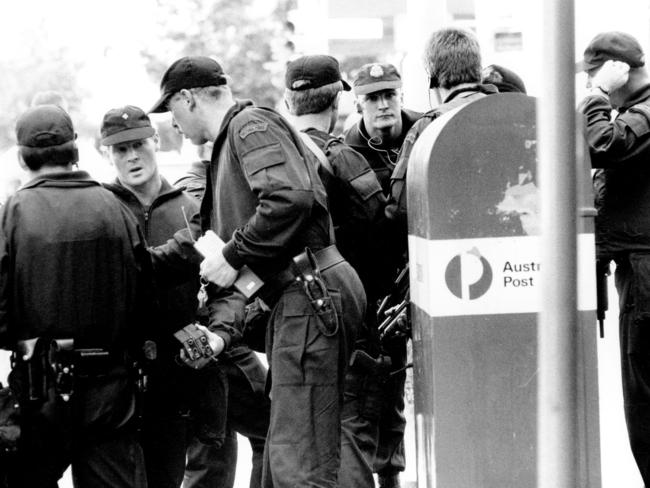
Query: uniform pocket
{"x": 640, "y": 287}
{"x": 636, "y": 334}
{"x": 301, "y": 353}
{"x": 263, "y": 157}
{"x": 366, "y": 184}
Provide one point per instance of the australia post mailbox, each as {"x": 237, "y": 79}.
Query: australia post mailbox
{"x": 474, "y": 252}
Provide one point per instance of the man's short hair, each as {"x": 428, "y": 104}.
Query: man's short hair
{"x": 215, "y": 92}
{"x": 452, "y": 57}
{"x": 312, "y": 100}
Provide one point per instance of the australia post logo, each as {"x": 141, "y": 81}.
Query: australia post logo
{"x": 468, "y": 275}
{"x": 488, "y": 275}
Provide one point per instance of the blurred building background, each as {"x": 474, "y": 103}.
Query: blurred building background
{"x": 99, "y": 60}
{"x": 509, "y": 31}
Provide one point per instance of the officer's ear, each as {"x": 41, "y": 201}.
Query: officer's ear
{"x": 358, "y": 105}
{"x": 187, "y": 97}
{"x": 156, "y": 141}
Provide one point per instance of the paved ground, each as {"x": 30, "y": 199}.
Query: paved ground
{"x": 618, "y": 468}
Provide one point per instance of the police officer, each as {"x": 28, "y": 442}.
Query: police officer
{"x": 356, "y": 202}
{"x": 619, "y": 149}
{"x": 453, "y": 62}
{"x": 265, "y": 201}
{"x": 73, "y": 266}
{"x": 384, "y": 122}
{"x": 313, "y": 87}
{"x": 248, "y": 406}
{"x": 379, "y": 135}
{"x": 167, "y": 436}
{"x": 131, "y": 145}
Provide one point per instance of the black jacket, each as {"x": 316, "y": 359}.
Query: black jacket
{"x": 72, "y": 264}
{"x": 620, "y": 150}
{"x": 382, "y": 159}
{"x": 176, "y": 304}
{"x": 357, "y": 203}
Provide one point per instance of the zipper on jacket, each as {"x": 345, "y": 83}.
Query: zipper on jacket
{"x": 146, "y": 223}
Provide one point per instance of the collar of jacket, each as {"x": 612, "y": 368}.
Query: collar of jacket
{"x": 478, "y": 88}
{"x": 360, "y": 137}
{"x": 62, "y": 179}
{"x": 166, "y": 191}
{"x": 230, "y": 114}
{"x": 638, "y": 96}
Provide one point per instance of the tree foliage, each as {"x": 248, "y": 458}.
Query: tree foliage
{"x": 35, "y": 67}
{"x": 231, "y": 31}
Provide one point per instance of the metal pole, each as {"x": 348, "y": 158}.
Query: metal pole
{"x": 557, "y": 463}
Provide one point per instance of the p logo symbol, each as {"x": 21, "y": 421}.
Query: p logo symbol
{"x": 468, "y": 275}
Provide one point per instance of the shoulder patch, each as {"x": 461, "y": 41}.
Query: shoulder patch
{"x": 253, "y": 126}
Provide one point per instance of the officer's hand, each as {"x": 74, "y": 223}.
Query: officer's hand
{"x": 216, "y": 269}
{"x": 611, "y": 75}
{"x": 215, "y": 342}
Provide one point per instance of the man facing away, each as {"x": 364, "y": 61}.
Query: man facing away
{"x": 265, "y": 201}
{"x": 73, "y": 270}
{"x": 453, "y": 63}
{"x": 313, "y": 86}
{"x": 620, "y": 149}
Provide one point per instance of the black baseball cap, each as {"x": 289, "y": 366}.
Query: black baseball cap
{"x": 504, "y": 79}
{"x": 47, "y": 129}
{"x": 44, "y": 126}
{"x": 617, "y": 46}
{"x": 374, "y": 77}
{"x": 185, "y": 73}
{"x": 128, "y": 123}
{"x": 313, "y": 71}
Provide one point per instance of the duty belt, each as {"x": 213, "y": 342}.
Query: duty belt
{"x": 306, "y": 269}
{"x": 273, "y": 286}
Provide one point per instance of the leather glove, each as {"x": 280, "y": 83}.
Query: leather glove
{"x": 611, "y": 76}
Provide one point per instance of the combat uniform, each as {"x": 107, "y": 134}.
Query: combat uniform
{"x": 620, "y": 149}
{"x": 265, "y": 200}
{"x": 169, "y": 384}
{"x": 247, "y": 404}
{"x": 73, "y": 266}
{"x": 389, "y": 458}
{"x": 356, "y": 204}
{"x": 357, "y": 210}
